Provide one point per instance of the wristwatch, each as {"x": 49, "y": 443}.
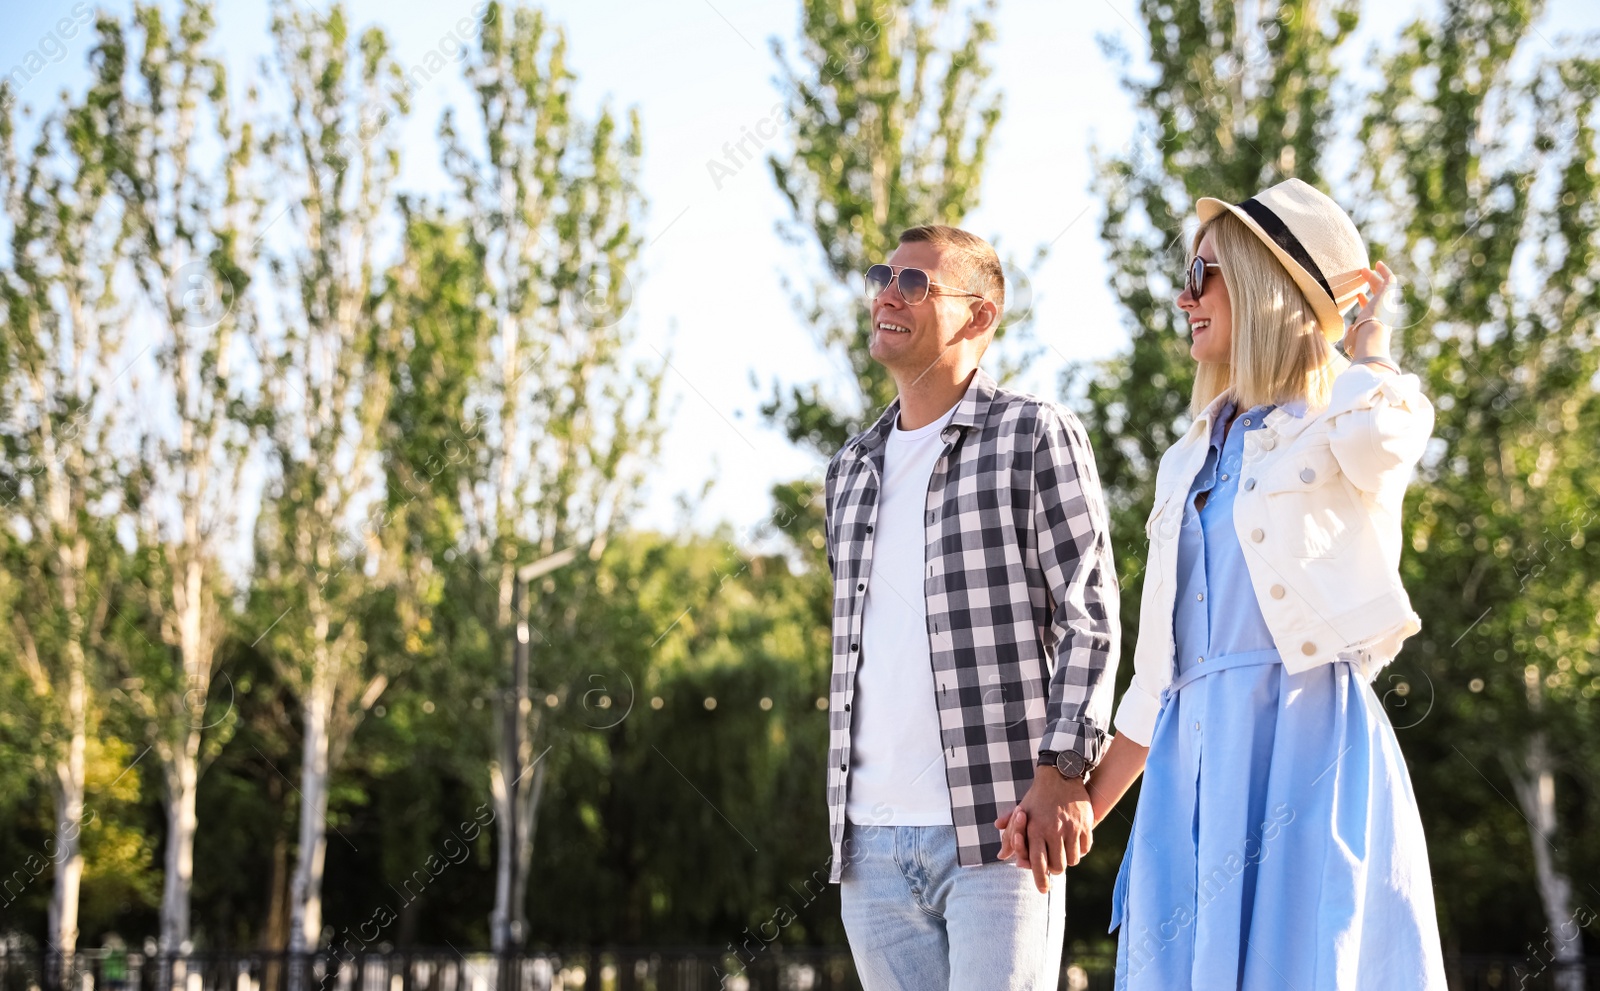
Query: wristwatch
{"x": 1070, "y": 763}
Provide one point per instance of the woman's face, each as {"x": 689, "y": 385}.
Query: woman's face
{"x": 1210, "y": 316}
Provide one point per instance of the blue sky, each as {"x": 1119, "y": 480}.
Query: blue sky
{"x": 710, "y": 289}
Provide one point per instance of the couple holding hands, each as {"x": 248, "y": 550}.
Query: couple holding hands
{"x": 1276, "y": 841}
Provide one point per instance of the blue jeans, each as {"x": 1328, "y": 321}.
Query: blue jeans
{"x": 918, "y": 921}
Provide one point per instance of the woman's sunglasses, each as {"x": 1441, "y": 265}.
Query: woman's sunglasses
{"x": 915, "y": 285}
{"x": 1195, "y": 280}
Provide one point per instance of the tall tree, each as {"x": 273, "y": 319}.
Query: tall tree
{"x": 1441, "y": 188}
{"x": 1234, "y": 105}
{"x": 1226, "y": 105}
{"x": 890, "y": 129}
{"x": 432, "y": 440}
{"x": 702, "y": 664}
{"x": 552, "y": 210}
{"x": 1485, "y": 184}
{"x": 327, "y": 382}
{"x": 192, "y": 224}
{"x": 63, "y": 325}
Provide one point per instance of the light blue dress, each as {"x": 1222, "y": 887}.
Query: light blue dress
{"x": 1277, "y": 843}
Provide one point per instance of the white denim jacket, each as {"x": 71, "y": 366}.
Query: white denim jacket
{"x": 1318, "y": 517}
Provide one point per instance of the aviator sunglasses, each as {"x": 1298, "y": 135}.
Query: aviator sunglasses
{"x": 915, "y": 285}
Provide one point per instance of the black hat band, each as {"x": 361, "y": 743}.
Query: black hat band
{"x": 1284, "y": 238}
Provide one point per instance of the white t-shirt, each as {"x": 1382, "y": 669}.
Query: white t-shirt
{"x": 897, "y": 767}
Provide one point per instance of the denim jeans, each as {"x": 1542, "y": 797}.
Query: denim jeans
{"x": 919, "y": 921}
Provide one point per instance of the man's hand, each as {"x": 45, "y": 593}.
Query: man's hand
{"x": 1050, "y": 830}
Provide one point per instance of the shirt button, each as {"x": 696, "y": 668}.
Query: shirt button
{"x": 1199, "y": 660}
{"x": 1224, "y": 477}
{"x": 1308, "y": 648}
{"x": 1306, "y": 474}
{"x": 1200, "y": 596}
{"x": 841, "y": 767}
{"x": 869, "y": 527}
{"x": 1197, "y": 725}
{"x": 862, "y": 585}
{"x": 855, "y": 646}
{"x": 1249, "y": 484}
{"x": 1247, "y": 421}
{"x": 1277, "y": 591}
{"x": 847, "y": 707}
{"x": 1258, "y": 535}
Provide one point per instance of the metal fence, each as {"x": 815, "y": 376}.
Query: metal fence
{"x": 596, "y": 969}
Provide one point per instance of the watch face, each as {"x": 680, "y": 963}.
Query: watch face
{"x": 1070, "y": 764}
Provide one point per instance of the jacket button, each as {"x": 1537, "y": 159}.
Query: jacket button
{"x": 1249, "y": 484}
{"x": 1276, "y": 590}
{"x": 1306, "y": 475}
{"x": 1257, "y": 535}
{"x": 1308, "y": 648}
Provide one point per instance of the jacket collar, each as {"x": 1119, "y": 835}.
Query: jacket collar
{"x": 971, "y": 411}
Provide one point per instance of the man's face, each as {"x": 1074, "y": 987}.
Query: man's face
{"x": 910, "y": 339}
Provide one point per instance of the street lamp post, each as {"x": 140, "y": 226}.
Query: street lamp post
{"x": 511, "y": 922}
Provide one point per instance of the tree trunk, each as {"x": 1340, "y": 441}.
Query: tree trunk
{"x": 63, "y": 917}
{"x": 305, "y": 896}
{"x": 500, "y": 776}
{"x": 505, "y": 780}
{"x": 527, "y": 824}
{"x": 1535, "y": 786}
{"x": 183, "y": 778}
{"x": 275, "y": 934}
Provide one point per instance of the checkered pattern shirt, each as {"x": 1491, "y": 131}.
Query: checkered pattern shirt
{"x": 1021, "y": 595}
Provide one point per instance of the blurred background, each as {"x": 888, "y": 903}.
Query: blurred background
{"x": 414, "y": 417}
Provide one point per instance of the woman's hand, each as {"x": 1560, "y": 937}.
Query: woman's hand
{"x": 1118, "y": 770}
{"x": 1368, "y": 337}
{"x": 1051, "y": 829}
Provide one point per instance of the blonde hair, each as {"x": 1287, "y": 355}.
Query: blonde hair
{"x": 1278, "y": 353}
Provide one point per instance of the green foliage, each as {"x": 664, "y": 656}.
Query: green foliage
{"x": 1490, "y": 184}
{"x": 684, "y": 805}
{"x": 890, "y": 128}
{"x": 482, "y": 373}
{"x": 1478, "y": 188}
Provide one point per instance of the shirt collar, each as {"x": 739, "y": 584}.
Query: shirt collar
{"x": 1218, "y": 410}
{"x": 971, "y": 410}
{"x": 1220, "y": 417}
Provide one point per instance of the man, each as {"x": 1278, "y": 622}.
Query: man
{"x": 975, "y": 641}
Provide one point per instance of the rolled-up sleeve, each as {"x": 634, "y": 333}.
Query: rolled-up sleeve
{"x": 1137, "y": 712}
{"x": 1379, "y": 426}
{"x": 1074, "y": 543}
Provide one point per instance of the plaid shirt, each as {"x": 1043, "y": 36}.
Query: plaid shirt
{"x": 1021, "y": 595}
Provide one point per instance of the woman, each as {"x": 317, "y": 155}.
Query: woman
{"x": 1276, "y": 842}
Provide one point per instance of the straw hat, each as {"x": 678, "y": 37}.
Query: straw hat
{"x": 1313, "y": 238}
